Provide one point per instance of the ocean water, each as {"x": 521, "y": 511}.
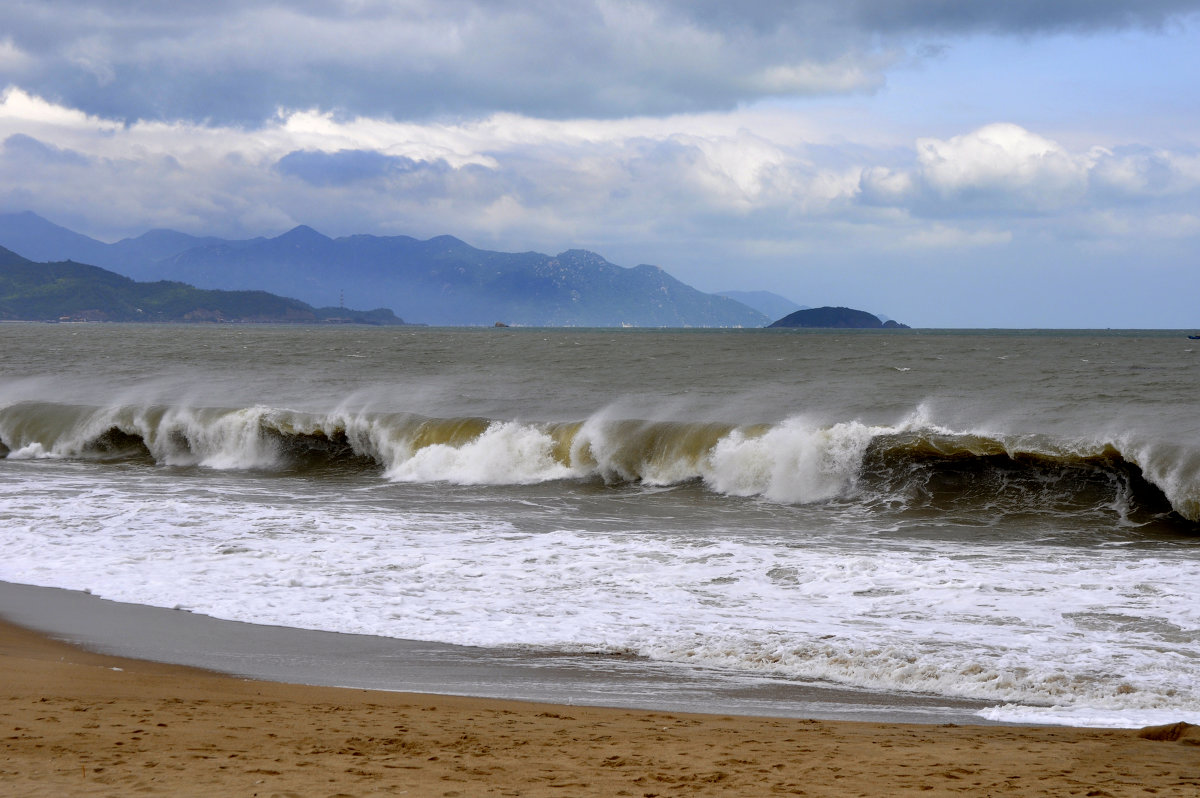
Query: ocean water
{"x": 1012, "y": 517}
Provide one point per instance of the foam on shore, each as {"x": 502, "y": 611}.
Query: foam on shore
{"x": 302, "y": 656}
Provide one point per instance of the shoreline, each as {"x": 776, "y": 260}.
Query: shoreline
{"x": 87, "y": 724}
{"x": 331, "y": 659}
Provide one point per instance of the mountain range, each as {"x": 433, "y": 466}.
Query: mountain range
{"x": 441, "y": 281}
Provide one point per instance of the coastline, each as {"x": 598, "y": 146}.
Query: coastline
{"x": 89, "y": 724}
{"x": 329, "y": 659}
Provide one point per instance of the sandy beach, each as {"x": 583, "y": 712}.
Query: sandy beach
{"x": 80, "y": 723}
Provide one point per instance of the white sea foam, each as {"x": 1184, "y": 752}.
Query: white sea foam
{"x": 504, "y": 454}
{"x": 1087, "y": 715}
{"x": 1048, "y": 633}
{"x": 219, "y": 440}
{"x": 794, "y": 462}
{"x": 1173, "y": 466}
{"x": 32, "y": 451}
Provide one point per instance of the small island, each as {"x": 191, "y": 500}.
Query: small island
{"x": 836, "y": 318}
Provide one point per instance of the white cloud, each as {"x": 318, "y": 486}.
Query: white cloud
{"x": 882, "y": 185}
{"x": 1005, "y": 171}
{"x": 1003, "y": 164}
{"x": 20, "y": 109}
{"x": 1145, "y": 172}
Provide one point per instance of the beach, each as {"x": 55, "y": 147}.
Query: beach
{"x": 748, "y": 514}
{"x": 81, "y": 723}
{"x": 592, "y": 562}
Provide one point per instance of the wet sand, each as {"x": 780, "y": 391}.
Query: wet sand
{"x": 302, "y": 656}
{"x": 79, "y": 723}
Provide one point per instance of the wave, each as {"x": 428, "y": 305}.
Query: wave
{"x": 944, "y": 472}
{"x": 915, "y": 466}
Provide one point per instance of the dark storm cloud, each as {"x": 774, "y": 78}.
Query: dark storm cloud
{"x": 228, "y": 61}
{"x": 1015, "y": 16}
{"x": 923, "y": 16}
{"x": 350, "y": 166}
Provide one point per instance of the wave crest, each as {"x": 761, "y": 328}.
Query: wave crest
{"x": 916, "y": 466}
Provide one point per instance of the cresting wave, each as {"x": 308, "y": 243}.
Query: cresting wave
{"x": 916, "y": 464}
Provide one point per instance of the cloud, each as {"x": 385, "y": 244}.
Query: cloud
{"x": 1144, "y": 172}
{"x": 1014, "y": 16}
{"x": 29, "y": 150}
{"x": 1003, "y": 170}
{"x": 752, "y": 198}
{"x": 12, "y": 59}
{"x": 239, "y": 62}
{"x": 22, "y": 109}
{"x": 690, "y": 186}
{"x": 345, "y": 167}
{"x": 1002, "y": 166}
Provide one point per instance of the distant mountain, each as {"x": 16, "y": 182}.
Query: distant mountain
{"x": 78, "y": 292}
{"x": 440, "y": 281}
{"x": 33, "y": 237}
{"x": 39, "y": 240}
{"x": 141, "y": 254}
{"x": 770, "y": 305}
{"x": 839, "y": 318}
{"x": 448, "y": 282}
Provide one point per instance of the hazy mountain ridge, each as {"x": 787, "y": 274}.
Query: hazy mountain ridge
{"x": 439, "y": 281}
{"x": 770, "y": 304}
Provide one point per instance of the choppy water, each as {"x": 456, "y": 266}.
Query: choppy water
{"x": 1013, "y": 517}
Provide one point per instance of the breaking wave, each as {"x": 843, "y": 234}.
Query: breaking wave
{"x": 914, "y": 465}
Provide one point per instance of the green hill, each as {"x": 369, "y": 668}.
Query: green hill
{"x": 69, "y": 291}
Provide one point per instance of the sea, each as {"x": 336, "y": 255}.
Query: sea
{"x": 1010, "y": 517}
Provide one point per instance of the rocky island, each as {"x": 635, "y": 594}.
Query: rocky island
{"x": 837, "y": 318}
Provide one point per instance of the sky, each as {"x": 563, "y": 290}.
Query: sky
{"x": 948, "y": 163}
